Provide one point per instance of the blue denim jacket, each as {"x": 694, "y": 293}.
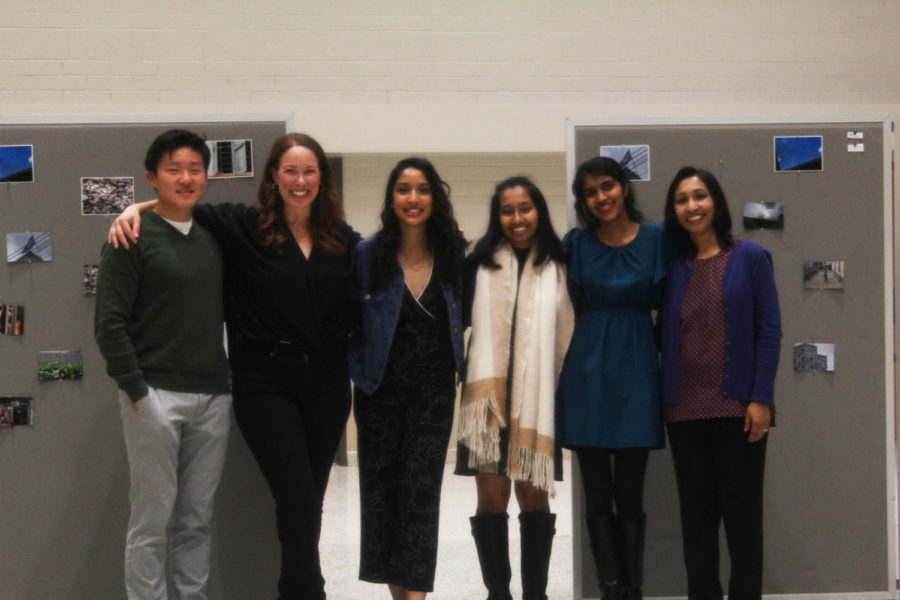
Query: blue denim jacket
{"x": 373, "y": 319}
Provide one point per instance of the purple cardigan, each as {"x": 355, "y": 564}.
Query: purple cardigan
{"x": 752, "y": 326}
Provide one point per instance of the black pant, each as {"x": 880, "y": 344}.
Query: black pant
{"x": 613, "y": 475}
{"x": 292, "y": 410}
{"x": 720, "y": 478}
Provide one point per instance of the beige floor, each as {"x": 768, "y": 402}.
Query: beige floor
{"x": 458, "y": 576}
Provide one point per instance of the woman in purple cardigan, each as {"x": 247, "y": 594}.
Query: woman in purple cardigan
{"x": 721, "y": 338}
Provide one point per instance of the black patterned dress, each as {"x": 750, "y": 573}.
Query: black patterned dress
{"x": 403, "y": 432}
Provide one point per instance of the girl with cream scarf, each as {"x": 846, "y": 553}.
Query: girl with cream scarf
{"x": 522, "y": 319}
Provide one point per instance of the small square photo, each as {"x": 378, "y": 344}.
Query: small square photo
{"x": 58, "y": 365}
{"x": 230, "y": 158}
{"x": 813, "y": 356}
{"x": 12, "y": 319}
{"x": 29, "y": 247}
{"x": 823, "y": 275}
{"x": 89, "y": 280}
{"x": 17, "y": 164}
{"x": 106, "y": 195}
{"x": 635, "y": 159}
{"x": 16, "y": 411}
{"x": 798, "y": 153}
{"x": 763, "y": 215}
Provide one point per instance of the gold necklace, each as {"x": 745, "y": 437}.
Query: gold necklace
{"x": 419, "y": 263}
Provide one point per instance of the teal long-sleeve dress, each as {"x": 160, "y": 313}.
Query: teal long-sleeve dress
{"x": 608, "y": 396}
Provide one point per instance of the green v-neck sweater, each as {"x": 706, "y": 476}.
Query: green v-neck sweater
{"x": 159, "y": 314}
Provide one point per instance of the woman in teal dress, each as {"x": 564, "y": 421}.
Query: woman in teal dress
{"x": 608, "y": 399}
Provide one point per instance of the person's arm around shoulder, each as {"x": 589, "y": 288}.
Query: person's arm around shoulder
{"x": 357, "y": 287}
{"x": 469, "y": 275}
{"x": 218, "y": 219}
{"x": 573, "y": 270}
{"x": 669, "y": 249}
{"x": 118, "y": 285}
{"x": 127, "y": 226}
{"x": 351, "y": 237}
{"x": 569, "y": 239}
{"x": 565, "y": 324}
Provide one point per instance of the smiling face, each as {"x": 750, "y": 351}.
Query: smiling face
{"x": 180, "y": 181}
{"x": 518, "y": 217}
{"x": 694, "y": 206}
{"x": 298, "y": 178}
{"x": 605, "y": 198}
{"x": 412, "y": 198}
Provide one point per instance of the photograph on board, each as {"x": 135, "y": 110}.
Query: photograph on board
{"x": 763, "y": 215}
{"x": 823, "y": 274}
{"x": 230, "y": 158}
{"x": 798, "y": 153}
{"x": 89, "y": 280}
{"x": 29, "y": 247}
{"x": 17, "y": 164}
{"x": 635, "y": 159}
{"x": 16, "y": 410}
{"x": 813, "y": 356}
{"x": 58, "y": 365}
{"x": 12, "y": 319}
{"x": 106, "y": 195}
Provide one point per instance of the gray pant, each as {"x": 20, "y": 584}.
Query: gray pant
{"x": 176, "y": 445}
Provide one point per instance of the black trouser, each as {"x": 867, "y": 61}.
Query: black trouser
{"x": 720, "y": 478}
{"x": 292, "y": 410}
{"x": 613, "y": 475}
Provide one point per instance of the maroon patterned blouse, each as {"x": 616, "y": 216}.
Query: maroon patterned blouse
{"x": 701, "y": 355}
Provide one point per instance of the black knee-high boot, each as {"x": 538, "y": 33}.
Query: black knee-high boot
{"x": 631, "y": 540}
{"x": 605, "y": 548}
{"x": 536, "y": 530}
{"x": 491, "y": 533}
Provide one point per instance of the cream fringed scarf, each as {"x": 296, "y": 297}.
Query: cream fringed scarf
{"x": 544, "y": 322}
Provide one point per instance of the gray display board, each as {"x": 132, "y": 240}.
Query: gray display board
{"x": 64, "y": 480}
{"x": 830, "y": 476}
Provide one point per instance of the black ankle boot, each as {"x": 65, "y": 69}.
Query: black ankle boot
{"x": 537, "y": 530}
{"x": 631, "y": 538}
{"x": 605, "y": 548}
{"x": 491, "y": 533}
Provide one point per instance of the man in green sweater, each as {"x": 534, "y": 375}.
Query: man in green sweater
{"x": 159, "y": 325}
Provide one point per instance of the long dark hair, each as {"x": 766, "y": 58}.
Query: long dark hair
{"x": 443, "y": 235}
{"x": 721, "y": 216}
{"x": 595, "y": 167}
{"x": 548, "y": 246}
{"x": 326, "y": 214}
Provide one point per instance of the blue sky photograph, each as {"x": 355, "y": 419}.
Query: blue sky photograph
{"x": 16, "y": 163}
{"x": 801, "y": 153}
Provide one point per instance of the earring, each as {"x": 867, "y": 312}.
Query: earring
{"x": 275, "y": 188}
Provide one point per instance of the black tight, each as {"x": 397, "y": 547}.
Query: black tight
{"x": 613, "y": 475}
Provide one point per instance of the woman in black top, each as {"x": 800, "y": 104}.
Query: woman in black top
{"x": 287, "y": 264}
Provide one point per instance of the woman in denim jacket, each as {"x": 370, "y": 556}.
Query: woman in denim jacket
{"x": 406, "y": 348}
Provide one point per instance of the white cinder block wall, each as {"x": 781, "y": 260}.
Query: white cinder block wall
{"x": 454, "y": 75}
